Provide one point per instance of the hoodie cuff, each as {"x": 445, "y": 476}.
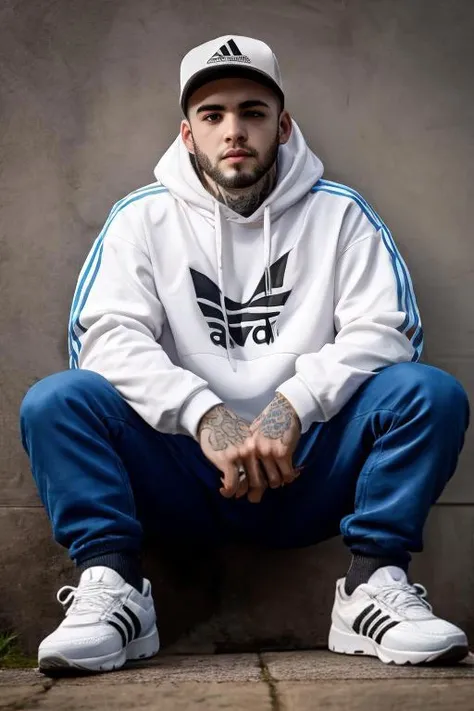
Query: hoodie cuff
{"x": 302, "y": 400}
{"x": 195, "y": 408}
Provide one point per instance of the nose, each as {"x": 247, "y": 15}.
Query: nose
{"x": 234, "y": 129}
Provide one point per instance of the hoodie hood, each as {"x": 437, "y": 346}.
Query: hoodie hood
{"x": 298, "y": 170}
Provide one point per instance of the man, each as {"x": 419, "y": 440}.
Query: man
{"x": 244, "y": 340}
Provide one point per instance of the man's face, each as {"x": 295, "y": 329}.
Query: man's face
{"x": 234, "y": 129}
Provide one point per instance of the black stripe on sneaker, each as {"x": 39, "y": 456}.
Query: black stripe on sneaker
{"x": 369, "y": 621}
{"x": 135, "y": 620}
{"x": 358, "y": 620}
{"x": 388, "y": 627}
{"x": 377, "y": 625}
{"x": 119, "y": 629}
{"x": 126, "y": 624}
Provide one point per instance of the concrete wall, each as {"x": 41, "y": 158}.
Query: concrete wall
{"x": 88, "y": 101}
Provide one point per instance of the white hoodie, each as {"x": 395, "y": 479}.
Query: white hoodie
{"x": 183, "y": 304}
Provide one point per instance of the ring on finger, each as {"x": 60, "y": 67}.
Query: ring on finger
{"x": 242, "y": 473}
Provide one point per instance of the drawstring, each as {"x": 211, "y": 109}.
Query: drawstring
{"x": 267, "y": 246}
{"x": 220, "y": 283}
{"x": 220, "y": 272}
{"x": 266, "y": 250}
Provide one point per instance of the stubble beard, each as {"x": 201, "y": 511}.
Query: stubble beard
{"x": 244, "y": 190}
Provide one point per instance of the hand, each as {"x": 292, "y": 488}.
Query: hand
{"x": 275, "y": 435}
{"x": 264, "y": 448}
{"x": 221, "y": 435}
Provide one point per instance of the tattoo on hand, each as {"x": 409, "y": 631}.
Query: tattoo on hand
{"x": 277, "y": 420}
{"x": 225, "y": 428}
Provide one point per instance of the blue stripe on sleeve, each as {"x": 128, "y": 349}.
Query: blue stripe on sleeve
{"x": 91, "y": 268}
{"x": 411, "y": 326}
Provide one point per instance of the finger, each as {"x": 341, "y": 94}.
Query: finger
{"x": 271, "y": 471}
{"x": 230, "y": 480}
{"x": 243, "y": 487}
{"x": 256, "y": 480}
{"x": 287, "y": 470}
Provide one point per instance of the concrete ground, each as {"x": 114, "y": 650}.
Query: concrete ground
{"x": 284, "y": 681}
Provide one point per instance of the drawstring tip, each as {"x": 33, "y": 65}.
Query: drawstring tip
{"x": 268, "y": 282}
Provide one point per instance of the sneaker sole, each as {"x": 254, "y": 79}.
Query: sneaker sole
{"x": 350, "y": 643}
{"x": 55, "y": 663}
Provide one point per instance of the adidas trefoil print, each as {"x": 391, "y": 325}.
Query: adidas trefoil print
{"x": 256, "y": 317}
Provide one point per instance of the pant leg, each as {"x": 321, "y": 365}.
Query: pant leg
{"x": 376, "y": 468}
{"x": 103, "y": 474}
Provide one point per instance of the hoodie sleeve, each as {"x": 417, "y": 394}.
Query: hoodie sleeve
{"x": 115, "y": 325}
{"x": 376, "y": 321}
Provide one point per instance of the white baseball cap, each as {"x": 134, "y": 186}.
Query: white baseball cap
{"x": 229, "y": 56}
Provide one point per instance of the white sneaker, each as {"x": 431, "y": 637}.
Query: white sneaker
{"x": 106, "y": 623}
{"x": 390, "y": 619}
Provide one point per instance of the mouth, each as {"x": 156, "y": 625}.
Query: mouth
{"x": 236, "y": 155}
{"x": 236, "y": 159}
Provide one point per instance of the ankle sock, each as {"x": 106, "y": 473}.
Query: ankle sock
{"x": 362, "y": 567}
{"x": 125, "y": 564}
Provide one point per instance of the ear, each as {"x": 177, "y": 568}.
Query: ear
{"x": 187, "y": 136}
{"x": 285, "y": 127}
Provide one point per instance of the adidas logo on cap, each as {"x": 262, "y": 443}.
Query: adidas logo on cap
{"x": 229, "y": 52}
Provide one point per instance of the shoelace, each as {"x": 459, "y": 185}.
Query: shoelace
{"x": 90, "y": 597}
{"x": 405, "y": 595}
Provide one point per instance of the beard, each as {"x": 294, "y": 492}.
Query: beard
{"x": 241, "y": 177}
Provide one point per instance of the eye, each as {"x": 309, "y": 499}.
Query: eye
{"x": 212, "y": 118}
{"x": 255, "y": 114}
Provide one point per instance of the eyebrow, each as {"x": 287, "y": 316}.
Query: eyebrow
{"x": 250, "y": 104}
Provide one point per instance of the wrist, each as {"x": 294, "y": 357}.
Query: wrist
{"x": 205, "y": 418}
{"x": 290, "y": 408}
{"x": 194, "y": 408}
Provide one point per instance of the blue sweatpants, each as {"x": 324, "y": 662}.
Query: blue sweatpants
{"x": 372, "y": 472}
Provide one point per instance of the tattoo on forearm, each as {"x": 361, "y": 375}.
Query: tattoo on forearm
{"x": 278, "y": 419}
{"x": 225, "y": 428}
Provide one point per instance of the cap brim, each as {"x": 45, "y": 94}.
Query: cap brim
{"x": 223, "y": 72}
